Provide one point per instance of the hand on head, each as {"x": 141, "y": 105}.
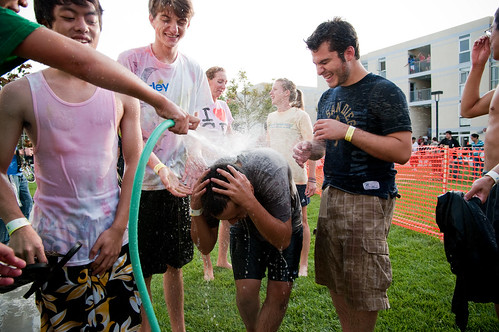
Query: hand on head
{"x": 198, "y": 191}
{"x": 238, "y": 189}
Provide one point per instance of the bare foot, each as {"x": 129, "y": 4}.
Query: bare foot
{"x": 208, "y": 275}
{"x": 207, "y": 268}
{"x": 303, "y": 271}
{"x": 225, "y": 265}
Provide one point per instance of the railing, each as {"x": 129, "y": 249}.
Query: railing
{"x": 418, "y": 66}
{"x": 419, "y": 95}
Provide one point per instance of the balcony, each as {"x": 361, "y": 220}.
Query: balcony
{"x": 418, "y": 66}
{"x": 419, "y": 95}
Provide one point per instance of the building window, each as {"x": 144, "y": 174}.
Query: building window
{"x": 464, "y": 122}
{"x": 364, "y": 64}
{"x": 463, "y": 76}
{"x": 382, "y": 67}
{"x": 494, "y": 74}
{"x": 464, "y": 49}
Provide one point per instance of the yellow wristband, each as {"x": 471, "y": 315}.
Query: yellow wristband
{"x": 349, "y": 134}
{"x": 15, "y": 224}
{"x": 158, "y": 167}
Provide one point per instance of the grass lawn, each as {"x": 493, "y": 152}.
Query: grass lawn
{"x": 420, "y": 295}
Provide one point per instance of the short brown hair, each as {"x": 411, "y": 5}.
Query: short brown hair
{"x": 211, "y": 72}
{"x": 181, "y": 8}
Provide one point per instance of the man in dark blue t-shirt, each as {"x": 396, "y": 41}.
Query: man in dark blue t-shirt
{"x": 363, "y": 126}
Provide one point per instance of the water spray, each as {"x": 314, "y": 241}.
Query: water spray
{"x": 216, "y": 150}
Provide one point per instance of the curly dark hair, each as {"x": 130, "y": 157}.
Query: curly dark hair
{"x": 338, "y": 33}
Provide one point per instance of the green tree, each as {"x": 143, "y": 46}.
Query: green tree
{"x": 15, "y": 74}
{"x": 249, "y": 104}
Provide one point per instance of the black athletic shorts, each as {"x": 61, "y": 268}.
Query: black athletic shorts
{"x": 164, "y": 232}
{"x": 251, "y": 256}
{"x": 304, "y": 199}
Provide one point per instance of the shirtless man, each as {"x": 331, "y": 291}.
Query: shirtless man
{"x": 472, "y": 105}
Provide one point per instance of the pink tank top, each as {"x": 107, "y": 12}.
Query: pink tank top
{"x": 75, "y": 165}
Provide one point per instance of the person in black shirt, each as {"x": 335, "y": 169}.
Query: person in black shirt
{"x": 450, "y": 141}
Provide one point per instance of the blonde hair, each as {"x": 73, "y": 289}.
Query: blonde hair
{"x": 295, "y": 95}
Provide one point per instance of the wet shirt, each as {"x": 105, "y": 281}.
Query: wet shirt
{"x": 274, "y": 188}
{"x": 377, "y": 106}
{"x": 184, "y": 83}
{"x": 75, "y": 165}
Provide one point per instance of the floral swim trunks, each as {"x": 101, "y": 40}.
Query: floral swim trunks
{"x": 75, "y": 300}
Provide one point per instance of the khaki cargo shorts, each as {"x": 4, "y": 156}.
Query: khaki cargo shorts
{"x": 351, "y": 252}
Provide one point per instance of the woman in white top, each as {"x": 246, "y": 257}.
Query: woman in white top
{"x": 286, "y": 127}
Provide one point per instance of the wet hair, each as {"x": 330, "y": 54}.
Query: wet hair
{"x": 295, "y": 95}
{"x": 181, "y": 8}
{"x": 338, "y": 33}
{"x": 215, "y": 203}
{"x": 211, "y": 72}
{"x": 44, "y": 9}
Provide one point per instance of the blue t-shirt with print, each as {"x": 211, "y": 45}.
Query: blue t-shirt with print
{"x": 376, "y": 105}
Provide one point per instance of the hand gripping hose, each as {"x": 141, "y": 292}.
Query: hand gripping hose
{"x": 133, "y": 218}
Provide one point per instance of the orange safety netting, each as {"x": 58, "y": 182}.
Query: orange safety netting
{"x": 430, "y": 172}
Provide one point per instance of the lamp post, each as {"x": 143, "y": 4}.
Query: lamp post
{"x": 437, "y": 98}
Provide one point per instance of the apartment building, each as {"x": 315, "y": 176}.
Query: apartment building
{"x": 435, "y": 67}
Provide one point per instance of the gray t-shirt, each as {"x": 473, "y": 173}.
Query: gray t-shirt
{"x": 274, "y": 187}
{"x": 273, "y": 184}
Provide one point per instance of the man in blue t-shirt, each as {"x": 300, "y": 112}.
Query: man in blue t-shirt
{"x": 363, "y": 126}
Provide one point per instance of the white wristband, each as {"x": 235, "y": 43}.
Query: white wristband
{"x": 15, "y": 224}
{"x": 493, "y": 175}
{"x": 196, "y": 213}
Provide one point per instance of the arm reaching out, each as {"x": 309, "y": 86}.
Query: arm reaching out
{"x": 55, "y": 50}
{"x": 481, "y": 187}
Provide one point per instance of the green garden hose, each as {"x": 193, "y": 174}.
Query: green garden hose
{"x": 133, "y": 218}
